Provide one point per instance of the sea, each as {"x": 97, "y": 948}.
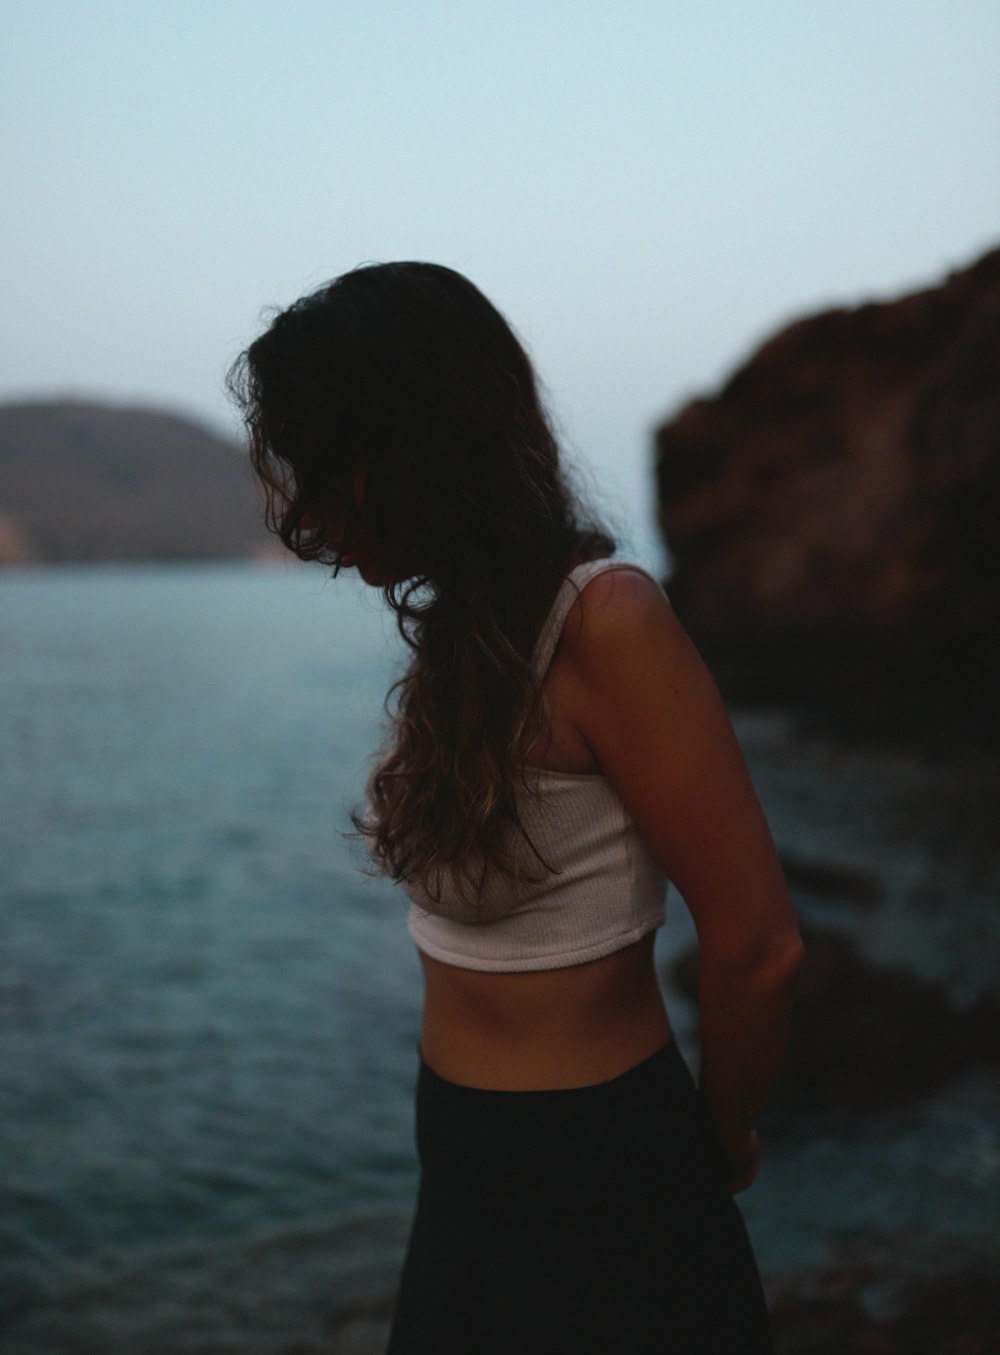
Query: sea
{"x": 209, "y": 1010}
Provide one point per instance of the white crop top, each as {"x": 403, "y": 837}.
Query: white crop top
{"x": 606, "y": 889}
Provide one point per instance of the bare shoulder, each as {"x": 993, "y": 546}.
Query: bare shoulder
{"x": 625, "y": 585}
{"x": 622, "y": 621}
{"x": 650, "y": 713}
{"x": 614, "y": 603}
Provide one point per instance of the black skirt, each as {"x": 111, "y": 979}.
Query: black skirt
{"x": 594, "y": 1220}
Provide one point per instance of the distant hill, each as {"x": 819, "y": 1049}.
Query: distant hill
{"x": 91, "y": 482}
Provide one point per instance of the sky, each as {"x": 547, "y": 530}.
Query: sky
{"x": 646, "y": 188}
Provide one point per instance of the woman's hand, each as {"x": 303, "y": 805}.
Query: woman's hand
{"x": 742, "y": 1166}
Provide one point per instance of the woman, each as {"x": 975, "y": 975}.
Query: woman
{"x": 557, "y": 751}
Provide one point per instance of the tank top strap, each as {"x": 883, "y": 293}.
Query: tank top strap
{"x": 571, "y": 588}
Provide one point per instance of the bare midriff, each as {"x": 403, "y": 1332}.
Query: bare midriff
{"x": 545, "y": 1029}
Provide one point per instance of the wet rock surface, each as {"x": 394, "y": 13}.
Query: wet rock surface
{"x": 880, "y": 1296}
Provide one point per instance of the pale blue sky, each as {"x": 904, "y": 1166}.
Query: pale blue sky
{"x": 646, "y": 188}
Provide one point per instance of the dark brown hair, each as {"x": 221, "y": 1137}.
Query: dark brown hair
{"x": 407, "y": 372}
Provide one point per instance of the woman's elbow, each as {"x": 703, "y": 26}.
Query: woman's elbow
{"x": 779, "y": 963}
{"x": 769, "y": 962}
{"x": 786, "y": 959}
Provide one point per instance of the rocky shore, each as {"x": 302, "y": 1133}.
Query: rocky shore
{"x": 883, "y": 1296}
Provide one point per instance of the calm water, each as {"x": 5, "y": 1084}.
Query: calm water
{"x": 209, "y": 1016}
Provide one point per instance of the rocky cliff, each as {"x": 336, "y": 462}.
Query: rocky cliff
{"x": 90, "y": 482}
{"x": 833, "y": 512}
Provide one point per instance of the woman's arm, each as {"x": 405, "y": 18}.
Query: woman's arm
{"x": 650, "y": 711}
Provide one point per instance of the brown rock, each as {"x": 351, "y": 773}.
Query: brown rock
{"x": 833, "y": 511}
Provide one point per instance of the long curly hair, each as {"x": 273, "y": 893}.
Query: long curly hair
{"x": 407, "y": 374}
